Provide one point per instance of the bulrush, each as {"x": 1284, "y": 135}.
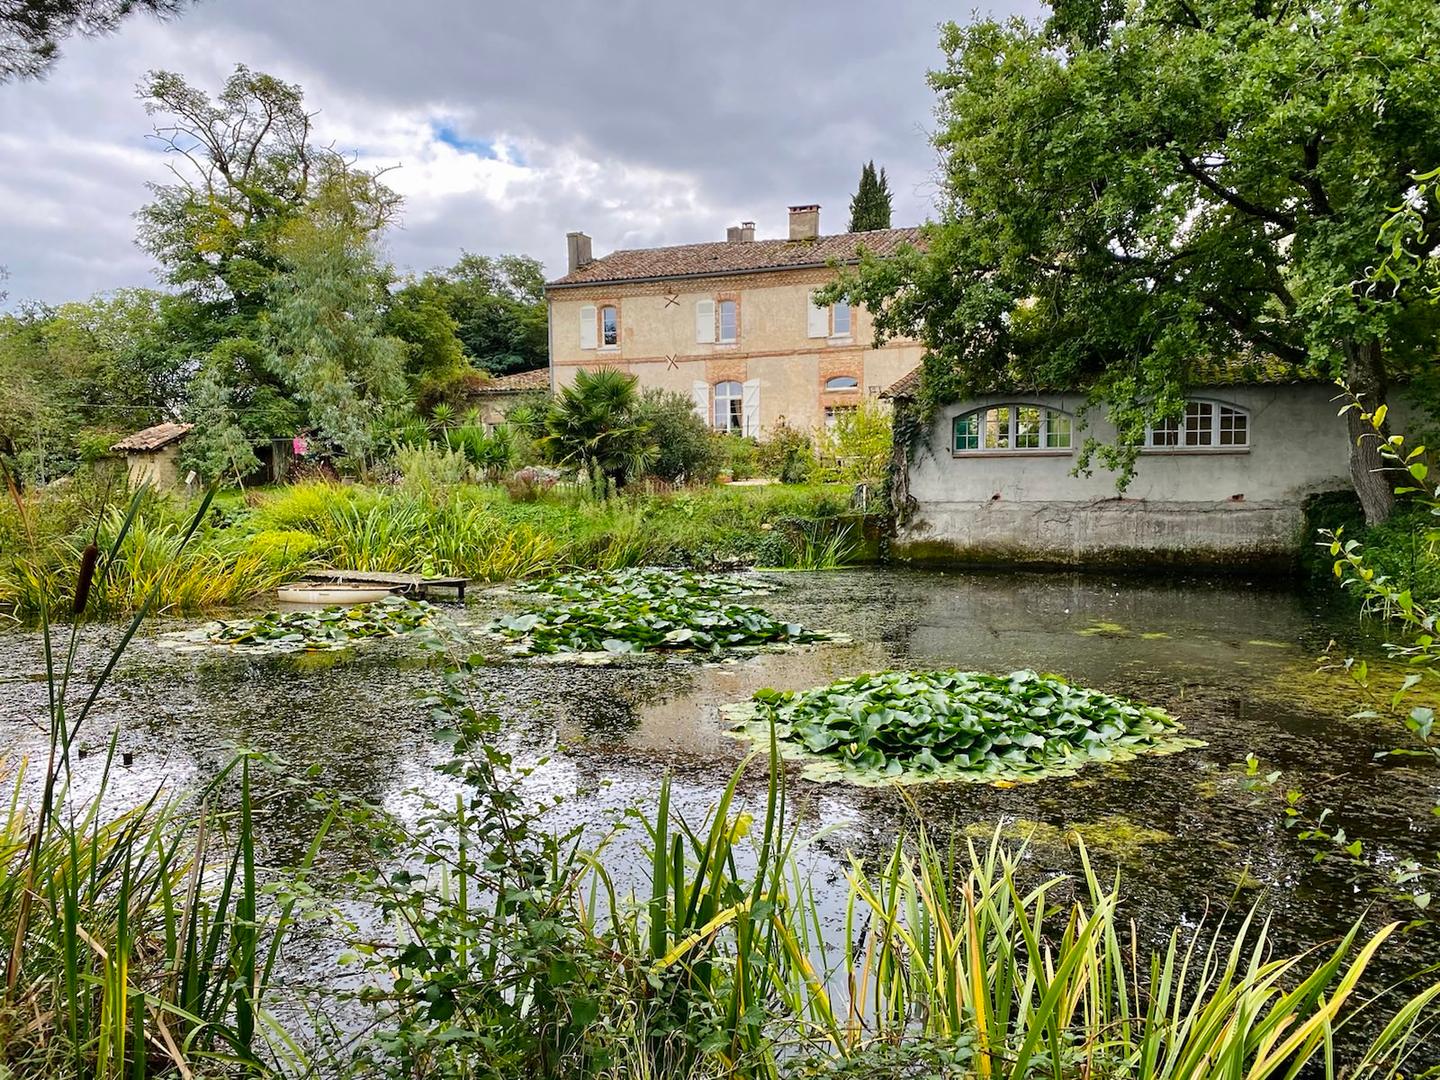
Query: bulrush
{"x": 88, "y": 559}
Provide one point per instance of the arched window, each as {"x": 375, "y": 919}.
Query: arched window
{"x": 842, "y": 382}
{"x": 729, "y": 407}
{"x": 1011, "y": 428}
{"x": 1204, "y": 425}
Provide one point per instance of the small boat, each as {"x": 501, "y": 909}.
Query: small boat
{"x": 332, "y": 592}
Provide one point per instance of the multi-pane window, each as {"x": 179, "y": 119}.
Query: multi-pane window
{"x": 1012, "y": 427}
{"x": 609, "y": 327}
{"x": 729, "y": 315}
{"x": 1203, "y": 425}
{"x": 729, "y": 407}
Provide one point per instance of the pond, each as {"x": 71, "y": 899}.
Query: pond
{"x": 1233, "y": 659}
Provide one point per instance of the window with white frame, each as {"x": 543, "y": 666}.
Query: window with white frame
{"x": 842, "y": 382}
{"x": 609, "y": 327}
{"x": 730, "y": 407}
{"x": 1204, "y": 425}
{"x": 1006, "y": 428}
{"x": 729, "y": 314}
{"x": 833, "y": 321}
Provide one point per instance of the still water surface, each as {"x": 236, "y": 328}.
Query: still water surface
{"x": 1235, "y": 660}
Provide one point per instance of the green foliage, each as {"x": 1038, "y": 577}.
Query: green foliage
{"x": 418, "y": 314}
{"x": 495, "y": 312}
{"x": 787, "y": 454}
{"x": 1137, "y": 197}
{"x": 596, "y": 426}
{"x": 31, "y": 30}
{"x": 325, "y": 630}
{"x": 79, "y": 376}
{"x": 492, "y": 452}
{"x": 957, "y": 725}
{"x": 870, "y": 206}
{"x": 431, "y": 523}
{"x": 685, "y": 451}
{"x": 637, "y": 616}
{"x": 857, "y": 449}
{"x": 738, "y": 455}
{"x": 646, "y": 583}
{"x": 143, "y": 939}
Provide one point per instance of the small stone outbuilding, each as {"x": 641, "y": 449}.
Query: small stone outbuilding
{"x": 152, "y": 456}
{"x": 494, "y": 398}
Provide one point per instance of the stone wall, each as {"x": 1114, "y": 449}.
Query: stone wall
{"x": 1197, "y": 507}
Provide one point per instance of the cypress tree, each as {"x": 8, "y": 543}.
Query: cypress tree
{"x": 870, "y": 205}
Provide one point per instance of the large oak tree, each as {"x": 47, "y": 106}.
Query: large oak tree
{"x": 1138, "y": 193}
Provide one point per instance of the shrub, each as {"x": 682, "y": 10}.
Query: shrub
{"x": 684, "y": 449}
{"x": 857, "y": 449}
{"x": 786, "y": 454}
{"x": 427, "y": 467}
{"x": 737, "y": 455}
{"x": 593, "y": 426}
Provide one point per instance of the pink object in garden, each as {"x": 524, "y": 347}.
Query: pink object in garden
{"x": 300, "y": 446}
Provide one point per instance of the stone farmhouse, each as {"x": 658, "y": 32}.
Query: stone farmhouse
{"x": 730, "y": 324}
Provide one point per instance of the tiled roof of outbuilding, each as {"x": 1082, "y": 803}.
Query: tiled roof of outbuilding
{"x": 521, "y": 382}
{"x": 729, "y": 257}
{"x": 153, "y": 438}
{"x": 1241, "y": 371}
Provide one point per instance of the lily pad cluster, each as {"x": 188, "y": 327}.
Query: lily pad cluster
{"x": 646, "y": 583}
{"x": 323, "y": 630}
{"x": 911, "y": 726}
{"x": 648, "y": 610}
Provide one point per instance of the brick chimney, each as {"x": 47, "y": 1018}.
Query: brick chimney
{"x": 747, "y": 232}
{"x": 805, "y": 222}
{"x": 577, "y": 246}
{"x": 732, "y": 234}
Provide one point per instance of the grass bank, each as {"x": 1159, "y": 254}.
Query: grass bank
{"x": 248, "y": 545}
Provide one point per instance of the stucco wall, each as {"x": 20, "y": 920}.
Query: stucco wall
{"x": 657, "y": 342}
{"x": 1187, "y": 506}
{"x": 158, "y": 468}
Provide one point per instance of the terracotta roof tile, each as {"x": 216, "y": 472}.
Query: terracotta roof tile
{"x": 154, "y": 438}
{"x": 520, "y": 382}
{"x": 1239, "y": 371}
{"x": 725, "y": 257}
{"x": 904, "y": 387}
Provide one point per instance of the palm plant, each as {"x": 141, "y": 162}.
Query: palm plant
{"x": 594, "y": 425}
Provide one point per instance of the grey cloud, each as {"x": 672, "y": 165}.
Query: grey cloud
{"x": 697, "y": 115}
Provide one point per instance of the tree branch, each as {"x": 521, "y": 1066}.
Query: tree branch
{"x": 1238, "y": 201}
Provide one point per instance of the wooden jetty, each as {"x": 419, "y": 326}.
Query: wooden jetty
{"x": 402, "y": 584}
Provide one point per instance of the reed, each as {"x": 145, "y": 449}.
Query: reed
{"x": 135, "y": 944}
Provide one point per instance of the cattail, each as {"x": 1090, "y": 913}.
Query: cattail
{"x": 88, "y": 560}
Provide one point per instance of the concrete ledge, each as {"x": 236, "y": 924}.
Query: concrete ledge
{"x": 1110, "y": 532}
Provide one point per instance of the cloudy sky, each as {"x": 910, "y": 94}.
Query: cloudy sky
{"x": 642, "y": 122}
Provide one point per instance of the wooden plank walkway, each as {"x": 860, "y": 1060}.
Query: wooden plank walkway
{"x": 406, "y": 584}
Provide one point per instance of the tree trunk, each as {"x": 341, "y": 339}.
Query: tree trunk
{"x": 1365, "y": 378}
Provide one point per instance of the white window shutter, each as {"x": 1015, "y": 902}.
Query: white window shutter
{"x": 700, "y": 393}
{"x": 818, "y": 319}
{"x": 587, "y": 327}
{"x": 752, "y": 408}
{"x": 704, "y": 321}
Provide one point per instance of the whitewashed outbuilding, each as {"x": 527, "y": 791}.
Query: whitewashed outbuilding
{"x": 993, "y": 479}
